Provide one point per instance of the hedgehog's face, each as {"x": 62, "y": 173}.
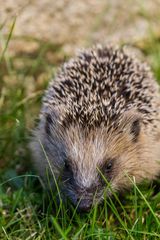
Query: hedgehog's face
{"x": 98, "y": 163}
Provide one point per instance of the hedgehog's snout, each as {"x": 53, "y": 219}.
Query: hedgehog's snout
{"x": 82, "y": 200}
{"x": 83, "y": 204}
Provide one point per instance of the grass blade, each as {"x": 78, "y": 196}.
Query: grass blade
{"x": 8, "y": 40}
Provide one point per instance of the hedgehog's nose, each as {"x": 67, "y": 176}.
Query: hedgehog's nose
{"x": 84, "y": 205}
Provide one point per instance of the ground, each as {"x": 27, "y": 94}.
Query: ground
{"x": 35, "y": 38}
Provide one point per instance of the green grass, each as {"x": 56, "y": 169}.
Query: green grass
{"x": 26, "y": 210}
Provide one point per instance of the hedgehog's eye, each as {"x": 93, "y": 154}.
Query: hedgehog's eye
{"x": 109, "y": 166}
{"x": 66, "y": 164}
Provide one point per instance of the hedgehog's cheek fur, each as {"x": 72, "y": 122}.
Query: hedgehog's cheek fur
{"x": 138, "y": 163}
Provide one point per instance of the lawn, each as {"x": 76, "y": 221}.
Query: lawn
{"x": 26, "y": 210}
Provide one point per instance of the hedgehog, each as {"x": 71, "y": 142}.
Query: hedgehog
{"x": 99, "y": 126}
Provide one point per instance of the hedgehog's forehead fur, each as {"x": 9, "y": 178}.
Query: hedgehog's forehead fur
{"x": 99, "y": 85}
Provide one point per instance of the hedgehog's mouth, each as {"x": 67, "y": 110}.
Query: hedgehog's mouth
{"x": 84, "y": 205}
{"x": 84, "y": 200}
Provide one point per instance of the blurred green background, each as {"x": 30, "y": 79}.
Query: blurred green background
{"x": 36, "y": 37}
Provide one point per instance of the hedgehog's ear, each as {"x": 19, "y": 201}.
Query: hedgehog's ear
{"x": 52, "y": 122}
{"x": 135, "y": 129}
{"x": 132, "y": 124}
